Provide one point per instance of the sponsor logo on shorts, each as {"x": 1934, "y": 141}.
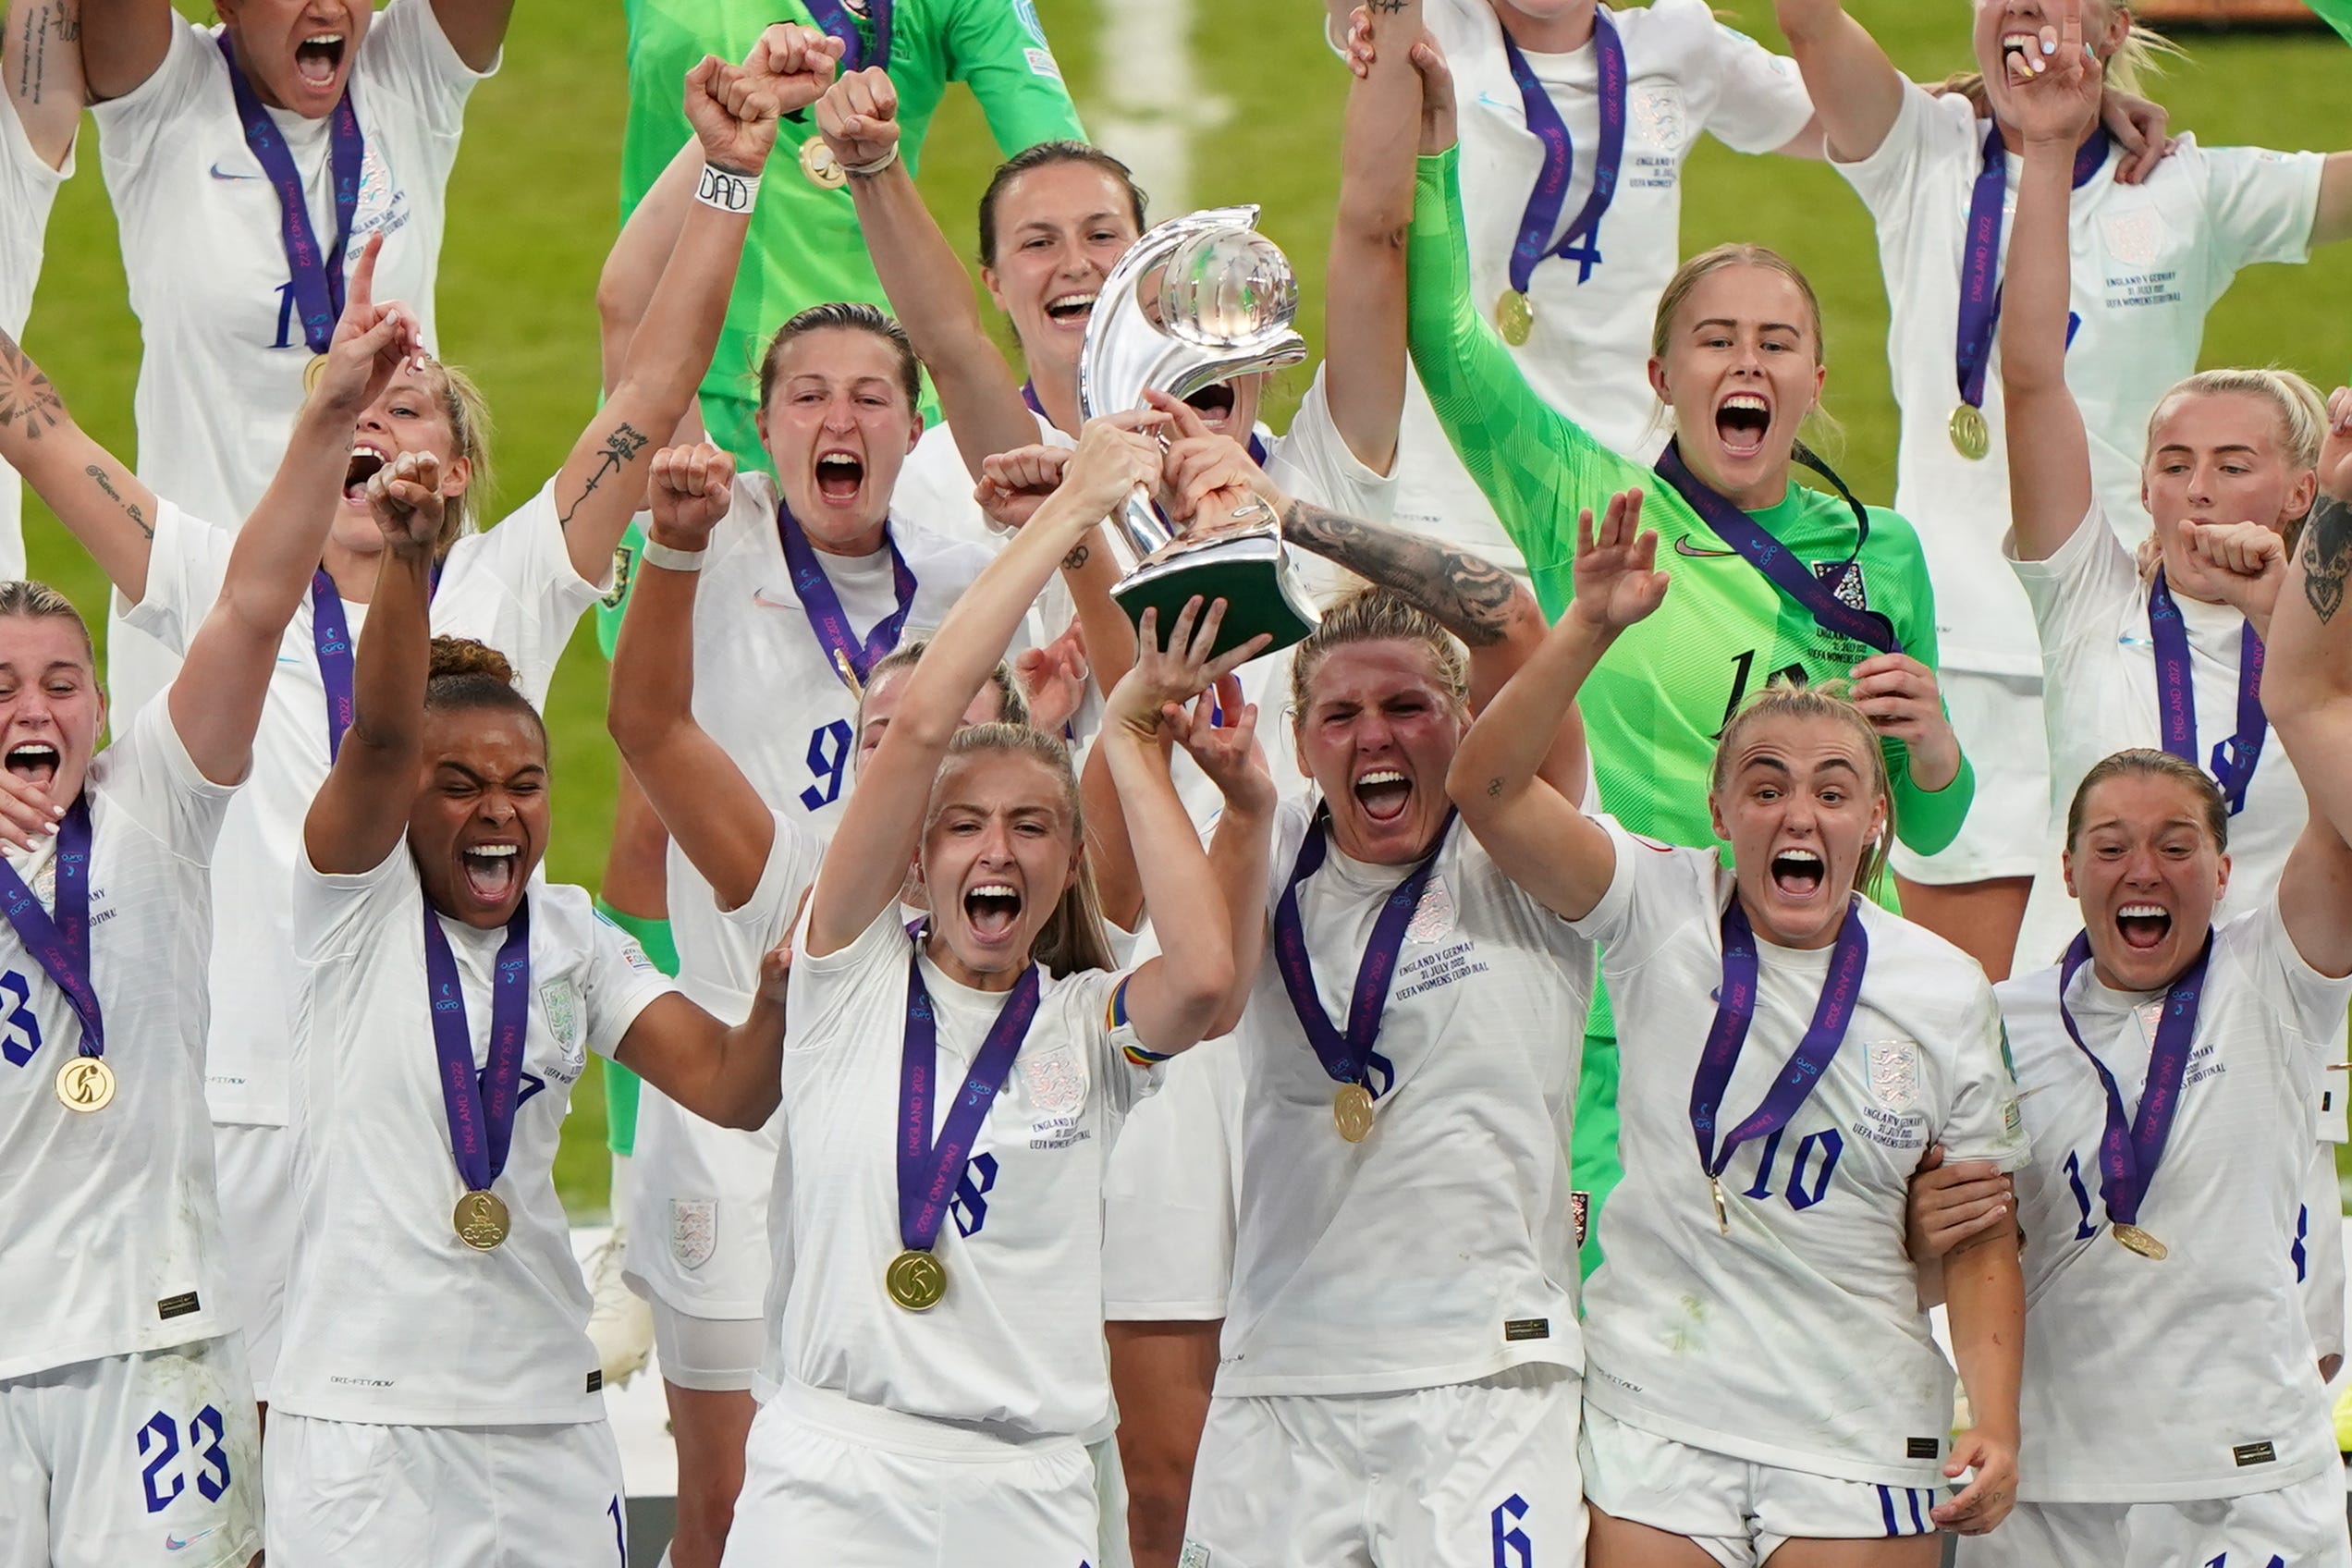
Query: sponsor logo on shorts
{"x": 1527, "y": 1328}
{"x": 177, "y": 1306}
{"x": 693, "y": 1230}
{"x": 1921, "y": 1448}
{"x": 2253, "y": 1454}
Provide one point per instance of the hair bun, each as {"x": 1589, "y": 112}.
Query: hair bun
{"x": 464, "y": 655}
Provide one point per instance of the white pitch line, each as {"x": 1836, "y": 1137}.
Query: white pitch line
{"x": 1152, "y": 103}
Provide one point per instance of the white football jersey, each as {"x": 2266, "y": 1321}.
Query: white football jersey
{"x": 2192, "y": 1377}
{"x": 220, "y": 375}
{"x": 1588, "y": 353}
{"x": 2149, "y": 260}
{"x": 28, "y": 190}
{"x": 111, "y": 1240}
{"x": 1459, "y": 1200}
{"x": 512, "y": 586}
{"x": 2099, "y": 697}
{"x": 1796, "y": 1340}
{"x": 389, "y": 1317}
{"x": 1016, "y": 1345}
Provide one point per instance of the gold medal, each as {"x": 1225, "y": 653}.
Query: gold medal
{"x": 817, "y": 162}
{"x": 1723, "y": 1214}
{"x": 916, "y": 1281}
{"x": 2142, "y": 1242}
{"x": 1352, "y": 1112}
{"x": 312, "y": 373}
{"x": 84, "y": 1084}
{"x": 481, "y": 1220}
{"x": 1515, "y": 317}
{"x": 1971, "y": 438}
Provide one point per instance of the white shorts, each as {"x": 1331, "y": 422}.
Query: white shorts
{"x": 1740, "y": 1513}
{"x": 718, "y": 1354}
{"x": 2318, "y": 1254}
{"x": 130, "y": 1460}
{"x": 359, "y": 1494}
{"x": 1169, "y": 1201}
{"x": 828, "y": 1480}
{"x": 698, "y": 1225}
{"x": 254, "y": 1168}
{"x": 1998, "y": 720}
{"x": 1466, "y": 1476}
{"x": 2302, "y": 1525}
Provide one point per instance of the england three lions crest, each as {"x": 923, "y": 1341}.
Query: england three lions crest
{"x": 1894, "y": 1072}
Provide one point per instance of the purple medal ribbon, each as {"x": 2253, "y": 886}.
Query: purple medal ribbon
{"x": 1581, "y": 244}
{"x": 827, "y": 619}
{"x": 838, "y": 19}
{"x": 1349, "y": 1057}
{"x": 1735, "y": 1008}
{"x": 1816, "y": 593}
{"x": 60, "y": 944}
{"x": 481, "y": 1104}
{"x": 1255, "y": 445}
{"x": 318, "y": 280}
{"x": 2129, "y": 1153}
{"x": 331, "y": 638}
{"x": 2234, "y": 760}
{"x": 929, "y": 1171}
{"x": 1980, "y": 256}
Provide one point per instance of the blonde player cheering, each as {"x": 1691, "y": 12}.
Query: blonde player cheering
{"x": 127, "y": 1432}
{"x": 2167, "y": 1070}
{"x": 2150, "y": 261}
{"x": 42, "y": 63}
{"x": 437, "y": 1393}
{"x": 2160, "y": 661}
{"x": 521, "y": 586}
{"x": 935, "y": 1387}
{"x": 1760, "y": 1381}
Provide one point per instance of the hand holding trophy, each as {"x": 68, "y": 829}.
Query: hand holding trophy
{"x": 1197, "y": 300}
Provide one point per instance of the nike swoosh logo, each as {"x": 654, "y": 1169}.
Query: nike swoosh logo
{"x": 220, "y": 173}
{"x": 173, "y": 1543}
{"x": 1682, "y": 546}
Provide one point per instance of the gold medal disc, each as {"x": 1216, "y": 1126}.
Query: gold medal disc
{"x": 1352, "y": 1112}
{"x": 2142, "y": 1242}
{"x": 823, "y": 170}
{"x": 1971, "y": 438}
{"x": 481, "y": 1220}
{"x": 312, "y": 373}
{"x": 85, "y": 1084}
{"x": 1515, "y": 317}
{"x": 916, "y": 1281}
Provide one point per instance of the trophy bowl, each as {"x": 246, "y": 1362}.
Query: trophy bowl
{"x": 1198, "y": 299}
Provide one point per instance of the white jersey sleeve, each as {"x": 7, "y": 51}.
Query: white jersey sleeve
{"x": 186, "y": 564}
{"x": 1755, "y": 100}
{"x": 1651, "y": 892}
{"x": 2261, "y": 204}
{"x": 1313, "y": 461}
{"x": 617, "y": 984}
{"x": 726, "y": 973}
{"x": 514, "y": 587}
{"x": 1929, "y": 129}
{"x": 407, "y": 53}
{"x": 2076, "y": 589}
{"x": 151, "y": 776}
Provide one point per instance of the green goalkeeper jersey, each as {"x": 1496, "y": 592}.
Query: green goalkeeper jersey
{"x": 1653, "y": 708}
{"x": 804, "y": 247}
{"x": 2338, "y": 13}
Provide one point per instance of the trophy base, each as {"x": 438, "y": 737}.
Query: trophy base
{"x": 1251, "y": 574}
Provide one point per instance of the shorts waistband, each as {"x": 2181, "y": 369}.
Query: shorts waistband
{"x": 898, "y": 1432}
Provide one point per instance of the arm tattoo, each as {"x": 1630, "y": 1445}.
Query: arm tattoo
{"x": 1470, "y": 597}
{"x": 1388, "y": 8}
{"x": 25, "y": 394}
{"x": 2327, "y": 554}
{"x": 621, "y": 448}
{"x": 42, "y": 23}
{"x": 98, "y": 477}
{"x": 1076, "y": 559}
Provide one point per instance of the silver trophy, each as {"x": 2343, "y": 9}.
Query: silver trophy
{"x": 1197, "y": 300}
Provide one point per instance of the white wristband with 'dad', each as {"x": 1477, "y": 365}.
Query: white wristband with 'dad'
{"x": 670, "y": 558}
{"x": 727, "y": 190}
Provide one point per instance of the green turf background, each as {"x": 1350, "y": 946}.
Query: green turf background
{"x": 532, "y": 210}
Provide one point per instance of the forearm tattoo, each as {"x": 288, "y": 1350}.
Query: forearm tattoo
{"x": 1388, "y": 8}
{"x": 26, "y": 397}
{"x": 2327, "y": 554}
{"x": 98, "y": 477}
{"x": 1076, "y": 559}
{"x": 42, "y": 23}
{"x": 1470, "y": 597}
{"x": 621, "y": 449}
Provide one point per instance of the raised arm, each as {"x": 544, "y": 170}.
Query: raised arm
{"x": 360, "y": 813}
{"x": 2307, "y": 691}
{"x": 1855, "y": 89}
{"x": 94, "y": 494}
{"x": 882, "y": 824}
{"x": 732, "y": 1077}
{"x": 2050, "y": 492}
{"x": 733, "y": 110}
{"x": 1539, "y": 837}
{"x": 216, "y": 696}
{"x": 2333, "y": 222}
{"x": 476, "y": 28}
{"x": 42, "y": 59}
{"x": 122, "y": 42}
{"x": 929, "y": 291}
{"x": 709, "y": 807}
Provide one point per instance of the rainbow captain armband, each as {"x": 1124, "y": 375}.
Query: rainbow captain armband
{"x": 1115, "y": 1019}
